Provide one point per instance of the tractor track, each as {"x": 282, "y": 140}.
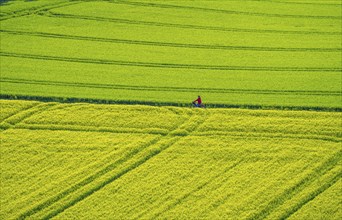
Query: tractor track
{"x": 169, "y": 44}
{"x": 169, "y": 65}
{"x": 34, "y": 10}
{"x": 222, "y": 11}
{"x": 20, "y": 116}
{"x": 109, "y": 168}
{"x": 185, "y": 26}
{"x": 319, "y": 191}
{"x": 298, "y": 187}
{"x": 198, "y": 188}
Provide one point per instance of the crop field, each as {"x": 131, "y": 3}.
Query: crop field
{"x": 88, "y": 161}
{"x": 95, "y": 117}
{"x": 263, "y": 53}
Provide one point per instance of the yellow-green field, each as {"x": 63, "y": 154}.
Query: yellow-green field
{"x": 90, "y": 161}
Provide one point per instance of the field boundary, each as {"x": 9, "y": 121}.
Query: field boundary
{"x": 153, "y": 103}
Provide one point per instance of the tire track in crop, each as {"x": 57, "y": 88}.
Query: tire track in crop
{"x": 15, "y": 119}
{"x": 319, "y": 191}
{"x": 167, "y": 89}
{"x": 169, "y": 65}
{"x": 298, "y": 187}
{"x": 109, "y": 168}
{"x": 223, "y": 11}
{"x": 66, "y": 127}
{"x": 34, "y": 10}
{"x": 168, "y": 44}
{"x": 184, "y": 26}
{"x": 188, "y": 194}
{"x": 19, "y": 110}
{"x": 169, "y": 142}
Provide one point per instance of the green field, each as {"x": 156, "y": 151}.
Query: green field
{"x": 95, "y": 120}
{"x": 264, "y": 53}
{"x": 88, "y": 161}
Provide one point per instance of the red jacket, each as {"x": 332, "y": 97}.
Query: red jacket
{"x": 199, "y": 101}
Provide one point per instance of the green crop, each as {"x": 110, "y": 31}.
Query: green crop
{"x": 261, "y": 53}
{"x": 72, "y": 161}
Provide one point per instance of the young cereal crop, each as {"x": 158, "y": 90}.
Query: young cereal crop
{"x": 234, "y": 53}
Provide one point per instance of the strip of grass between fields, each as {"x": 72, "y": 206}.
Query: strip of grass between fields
{"x": 151, "y": 103}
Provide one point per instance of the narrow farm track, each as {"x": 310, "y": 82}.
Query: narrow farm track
{"x": 173, "y": 6}
{"x": 185, "y": 26}
{"x": 169, "y": 65}
{"x": 175, "y": 89}
{"x": 167, "y": 44}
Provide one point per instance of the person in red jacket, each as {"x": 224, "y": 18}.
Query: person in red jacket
{"x": 199, "y": 102}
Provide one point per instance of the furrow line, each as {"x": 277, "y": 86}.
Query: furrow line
{"x": 170, "y": 65}
{"x": 312, "y": 196}
{"x": 15, "y": 119}
{"x": 19, "y": 111}
{"x": 152, "y": 153}
{"x": 171, "y": 89}
{"x": 201, "y": 186}
{"x": 184, "y": 26}
{"x": 34, "y": 10}
{"x": 271, "y": 135}
{"x": 169, "y": 44}
{"x": 45, "y": 204}
{"x": 54, "y": 127}
{"x": 157, "y": 5}
{"x": 290, "y": 192}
